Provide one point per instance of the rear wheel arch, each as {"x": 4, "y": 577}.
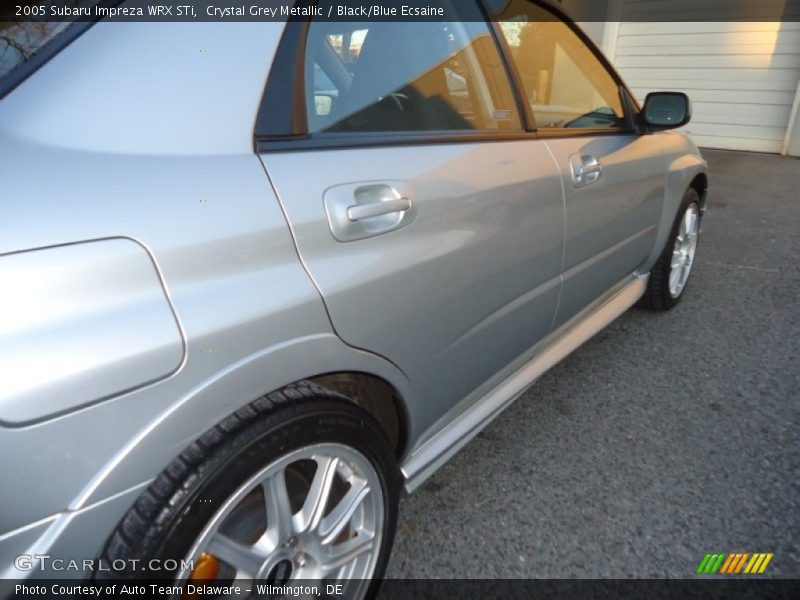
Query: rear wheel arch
{"x": 182, "y": 416}
{"x": 376, "y": 396}
{"x": 165, "y": 519}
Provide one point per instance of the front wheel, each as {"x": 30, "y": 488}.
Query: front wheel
{"x": 670, "y": 275}
{"x": 300, "y": 485}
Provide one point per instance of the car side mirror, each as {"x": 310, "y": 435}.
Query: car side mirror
{"x": 666, "y": 110}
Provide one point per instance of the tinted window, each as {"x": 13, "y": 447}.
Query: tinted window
{"x": 407, "y": 76}
{"x": 19, "y": 42}
{"x": 564, "y": 82}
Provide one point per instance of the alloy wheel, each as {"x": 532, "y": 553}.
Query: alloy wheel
{"x": 684, "y": 250}
{"x": 316, "y": 513}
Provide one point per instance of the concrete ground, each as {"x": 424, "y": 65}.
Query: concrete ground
{"x": 665, "y": 437}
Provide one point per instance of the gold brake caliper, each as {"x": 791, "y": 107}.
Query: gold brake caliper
{"x": 206, "y": 567}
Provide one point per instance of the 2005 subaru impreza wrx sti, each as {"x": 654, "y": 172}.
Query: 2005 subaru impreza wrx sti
{"x": 260, "y": 277}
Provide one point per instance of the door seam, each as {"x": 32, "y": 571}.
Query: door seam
{"x": 564, "y": 233}
{"x": 305, "y": 267}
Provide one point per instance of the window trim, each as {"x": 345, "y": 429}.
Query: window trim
{"x": 340, "y": 140}
{"x": 523, "y": 108}
{"x": 282, "y": 123}
{"x": 282, "y": 111}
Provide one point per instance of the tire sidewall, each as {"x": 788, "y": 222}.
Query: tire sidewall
{"x": 265, "y": 441}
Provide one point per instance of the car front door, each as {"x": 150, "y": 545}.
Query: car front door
{"x": 613, "y": 178}
{"x": 431, "y": 222}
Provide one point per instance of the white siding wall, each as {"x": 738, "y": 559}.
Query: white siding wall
{"x": 741, "y": 76}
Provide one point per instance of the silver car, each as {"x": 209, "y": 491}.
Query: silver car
{"x": 259, "y": 278}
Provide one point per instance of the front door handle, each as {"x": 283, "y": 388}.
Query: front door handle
{"x": 585, "y": 169}
{"x": 356, "y": 212}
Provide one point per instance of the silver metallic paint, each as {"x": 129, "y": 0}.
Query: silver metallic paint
{"x": 89, "y": 310}
{"x": 456, "y": 434}
{"x": 609, "y": 223}
{"x": 462, "y": 291}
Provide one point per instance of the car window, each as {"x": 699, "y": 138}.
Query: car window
{"x": 564, "y": 82}
{"x": 407, "y": 76}
{"x": 21, "y": 41}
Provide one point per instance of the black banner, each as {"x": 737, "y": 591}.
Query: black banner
{"x": 418, "y": 589}
{"x": 386, "y": 10}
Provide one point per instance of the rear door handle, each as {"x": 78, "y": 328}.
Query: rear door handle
{"x": 356, "y": 212}
{"x": 585, "y": 169}
{"x": 361, "y": 210}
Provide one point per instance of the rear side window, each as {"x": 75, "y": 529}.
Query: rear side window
{"x": 564, "y": 82}
{"x": 21, "y": 41}
{"x": 407, "y": 76}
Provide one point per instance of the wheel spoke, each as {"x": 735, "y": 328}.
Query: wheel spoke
{"x": 674, "y": 277}
{"x": 310, "y": 515}
{"x": 693, "y": 226}
{"x": 342, "y": 554}
{"x": 332, "y": 525}
{"x": 279, "y": 510}
{"x": 676, "y": 259}
{"x": 245, "y": 559}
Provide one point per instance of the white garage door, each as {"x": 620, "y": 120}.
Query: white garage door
{"x": 741, "y": 76}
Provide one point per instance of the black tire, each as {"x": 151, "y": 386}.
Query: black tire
{"x": 657, "y": 296}
{"x": 168, "y": 517}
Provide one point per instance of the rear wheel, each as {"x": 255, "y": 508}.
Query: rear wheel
{"x": 670, "y": 275}
{"x": 298, "y": 485}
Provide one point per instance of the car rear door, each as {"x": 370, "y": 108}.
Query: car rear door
{"x": 431, "y": 222}
{"x": 613, "y": 178}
